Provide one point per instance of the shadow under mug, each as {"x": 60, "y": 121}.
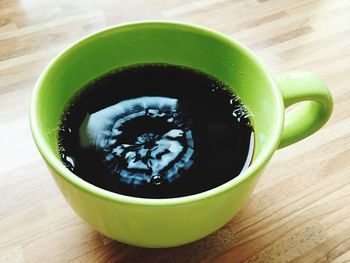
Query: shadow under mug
{"x": 174, "y": 221}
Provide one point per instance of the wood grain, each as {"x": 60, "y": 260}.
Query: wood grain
{"x": 300, "y": 209}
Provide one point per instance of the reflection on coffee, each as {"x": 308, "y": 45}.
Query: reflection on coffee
{"x": 156, "y": 131}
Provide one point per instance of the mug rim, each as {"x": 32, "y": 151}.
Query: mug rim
{"x": 55, "y": 164}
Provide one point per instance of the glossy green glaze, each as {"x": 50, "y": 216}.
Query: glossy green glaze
{"x": 173, "y": 221}
{"x": 312, "y": 114}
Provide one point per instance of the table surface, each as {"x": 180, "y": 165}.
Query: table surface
{"x": 300, "y": 210}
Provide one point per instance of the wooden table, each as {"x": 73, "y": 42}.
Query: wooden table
{"x": 299, "y": 212}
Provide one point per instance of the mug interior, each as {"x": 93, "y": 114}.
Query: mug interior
{"x": 157, "y": 42}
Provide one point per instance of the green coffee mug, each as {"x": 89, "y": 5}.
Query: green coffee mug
{"x": 171, "y": 222}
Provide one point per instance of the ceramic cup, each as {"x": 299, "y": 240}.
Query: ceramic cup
{"x": 174, "y": 221}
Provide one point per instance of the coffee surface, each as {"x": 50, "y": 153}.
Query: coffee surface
{"x": 156, "y": 131}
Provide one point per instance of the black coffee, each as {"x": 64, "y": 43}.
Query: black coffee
{"x": 156, "y": 131}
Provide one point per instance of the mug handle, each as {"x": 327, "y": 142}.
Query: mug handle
{"x": 315, "y": 107}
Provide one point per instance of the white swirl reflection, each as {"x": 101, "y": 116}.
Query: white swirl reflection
{"x": 155, "y": 155}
